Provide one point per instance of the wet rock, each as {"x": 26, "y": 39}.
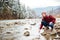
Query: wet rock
{"x": 36, "y": 39}
{"x": 33, "y": 24}
{"x": 8, "y": 24}
{"x": 8, "y": 38}
{"x": 44, "y": 33}
{"x": 58, "y": 33}
{"x": 26, "y": 28}
{"x": 0, "y": 38}
{"x": 1, "y": 27}
{"x": 52, "y": 37}
{"x": 47, "y": 36}
{"x": 57, "y": 37}
{"x": 19, "y": 23}
{"x": 16, "y": 23}
{"x": 27, "y": 33}
{"x": 8, "y": 32}
{"x": 54, "y": 34}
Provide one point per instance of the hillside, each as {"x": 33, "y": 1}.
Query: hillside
{"x": 47, "y": 9}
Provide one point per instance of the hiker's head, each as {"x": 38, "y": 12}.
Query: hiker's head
{"x": 43, "y": 14}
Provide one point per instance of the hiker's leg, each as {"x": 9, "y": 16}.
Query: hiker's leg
{"x": 51, "y": 25}
{"x": 45, "y": 24}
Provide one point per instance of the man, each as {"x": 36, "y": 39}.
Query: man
{"x": 48, "y": 21}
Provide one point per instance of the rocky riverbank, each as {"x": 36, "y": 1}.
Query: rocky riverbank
{"x": 27, "y": 29}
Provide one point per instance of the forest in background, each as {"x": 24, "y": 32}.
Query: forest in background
{"x": 12, "y": 9}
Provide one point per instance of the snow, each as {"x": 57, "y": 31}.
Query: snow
{"x": 18, "y": 30}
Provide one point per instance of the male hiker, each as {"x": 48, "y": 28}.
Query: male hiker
{"x": 48, "y": 21}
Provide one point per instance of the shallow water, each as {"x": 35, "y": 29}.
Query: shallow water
{"x": 15, "y": 29}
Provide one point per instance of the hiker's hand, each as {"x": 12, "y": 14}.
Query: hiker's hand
{"x": 51, "y": 23}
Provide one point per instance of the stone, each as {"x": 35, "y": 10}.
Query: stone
{"x": 16, "y": 23}
{"x": 27, "y": 33}
{"x": 33, "y": 24}
{"x": 26, "y": 28}
{"x": 8, "y": 24}
{"x": 0, "y": 38}
{"x": 47, "y": 36}
{"x": 8, "y": 32}
{"x": 8, "y": 38}
{"x": 57, "y": 37}
{"x": 35, "y": 39}
{"x": 58, "y": 33}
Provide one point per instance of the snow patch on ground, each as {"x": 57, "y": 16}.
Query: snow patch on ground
{"x": 19, "y": 29}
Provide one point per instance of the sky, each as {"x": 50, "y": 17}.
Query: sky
{"x": 40, "y": 3}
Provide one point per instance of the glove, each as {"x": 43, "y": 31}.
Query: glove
{"x": 50, "y": 23}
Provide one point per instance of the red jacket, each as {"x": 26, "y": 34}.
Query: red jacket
{"x": 48, "y": 19}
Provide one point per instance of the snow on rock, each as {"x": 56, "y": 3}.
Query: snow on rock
{"x": 27, "y": 29}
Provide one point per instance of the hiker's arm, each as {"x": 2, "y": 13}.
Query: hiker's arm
{"x": 41, "y": 24}
{"x": 53, "y": 19}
